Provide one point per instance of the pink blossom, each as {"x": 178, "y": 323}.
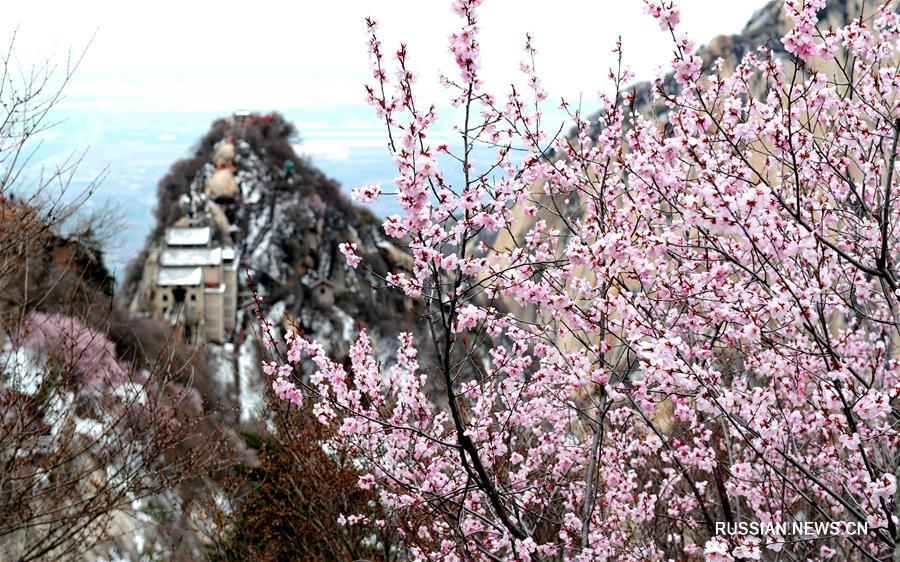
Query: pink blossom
{"x": 468, "y": 317}
{"x": 716, "y": 550}
{"x": 688, "y": 70}
{"x": 884, "y": 487}
{"x": 286, "y": 390}
{"x": 349, "y": 251}
{"x": 76, "y": 346}
{"x": 800, "y": 39}
{"x": 665, "y": 13}
{"x": 872, "y": 405}
{"x": 366, "y": 193}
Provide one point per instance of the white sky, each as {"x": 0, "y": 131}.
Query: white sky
{"x": 189, "y": 55}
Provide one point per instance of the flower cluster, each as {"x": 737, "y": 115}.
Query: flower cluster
{"x": 800, "y": 40}
{"x": 349, "y": 251}
{"x": 77, "y": 346}
{"x": 366, "y": 193}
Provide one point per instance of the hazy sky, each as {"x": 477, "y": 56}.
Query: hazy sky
{"x": 189, "y": 55}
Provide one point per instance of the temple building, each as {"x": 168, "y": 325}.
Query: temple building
{"x": 192, "y": 280}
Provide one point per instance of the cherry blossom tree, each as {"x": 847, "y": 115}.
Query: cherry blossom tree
{"x": 644, "y": 328}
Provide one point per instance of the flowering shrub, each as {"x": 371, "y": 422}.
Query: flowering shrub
{"x": 85, "y": 350}
{"x": 84, "y": 435}
{"x": 698, "y": 325}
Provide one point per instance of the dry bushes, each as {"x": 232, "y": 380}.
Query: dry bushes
{"x": 93, "y": 426}
{"x": 289, "y": 507}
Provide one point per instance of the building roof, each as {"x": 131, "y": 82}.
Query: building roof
{"x": 183, "y": 257}
{"x": 222, "y": 184}
{"x": 179, "y": 276}
{"x": 196, "y": 236}
{"x": 312, "y": 280}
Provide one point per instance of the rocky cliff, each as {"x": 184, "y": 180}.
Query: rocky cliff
{"x": 285, "y": 219}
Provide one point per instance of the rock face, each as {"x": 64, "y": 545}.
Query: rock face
{"x": 224, "y": 155}
{"x": 221, "y": 185}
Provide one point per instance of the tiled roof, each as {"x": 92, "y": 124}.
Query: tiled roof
{"x": 179, "y": 276}
{"x": 181, "y": 257}
{"x": 196, "y": 236}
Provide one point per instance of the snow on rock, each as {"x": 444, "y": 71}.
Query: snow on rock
{"x": 252, "y": 385}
